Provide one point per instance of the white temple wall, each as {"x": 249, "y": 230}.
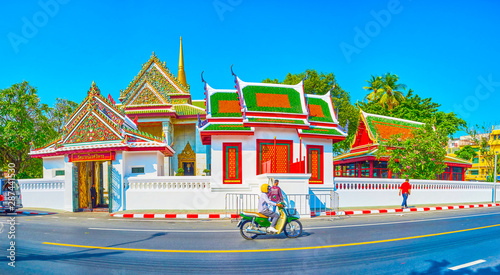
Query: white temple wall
{"x": 160, "y": 160}
{"x": 148, "y": 160}
{"x": 51, "y": 164}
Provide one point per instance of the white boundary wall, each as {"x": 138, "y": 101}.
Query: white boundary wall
{"x": 360, "y": 192}
{"x": 183, "y": 192}
{"x": 198, "y": 192}
{"x": 47, "y": 193}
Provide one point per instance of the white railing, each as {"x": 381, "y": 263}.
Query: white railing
{"x": 47, "y": 193}
{"x": 367, "y": 184}
{"x": 169, "y": 183}
{"x": 28, "y": 185}
{"x": 357, "y": 192}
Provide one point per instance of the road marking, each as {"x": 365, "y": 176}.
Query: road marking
{"x": 271, "y": 249}
{"x": 72, "y": 218}
{"x": 399, "y": 222}
{"x": 55, "y": 217}
{"x": 466, "y": 265}
{"x": 91, "y": 218}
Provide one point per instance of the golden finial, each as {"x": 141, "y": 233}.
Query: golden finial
{"x": 181, "y": 75}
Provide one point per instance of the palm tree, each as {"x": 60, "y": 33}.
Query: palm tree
{"x": 375, "y": 88}
{"x": 386, "y": 90}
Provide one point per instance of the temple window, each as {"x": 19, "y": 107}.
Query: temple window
{"x": 137, "y": 170}
{"x": 315, "y": 164}
{"x": 231, "y": 157}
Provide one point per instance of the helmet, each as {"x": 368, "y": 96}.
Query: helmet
{"x": 264, "y": 187}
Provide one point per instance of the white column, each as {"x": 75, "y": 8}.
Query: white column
{"x": 168, "y": 130}
{"x": 68, "y": 184}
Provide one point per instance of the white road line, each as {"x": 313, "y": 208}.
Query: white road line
{"x": 91, "y": 218}
{"x": 386, "y": 223}
{"x": 466, "y": 265}
{"x": 55, "y": 217}
{"x": 72, "y": 218}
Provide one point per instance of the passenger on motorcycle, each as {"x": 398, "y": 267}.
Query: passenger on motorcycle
{"x": 264, "y": 203}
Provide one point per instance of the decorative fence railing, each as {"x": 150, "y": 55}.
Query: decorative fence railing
{"x": 357, "y": 192}
{"x": 47, "y": 193}
{"x": 41, "y": 184}
{"x": 169, "y": 183}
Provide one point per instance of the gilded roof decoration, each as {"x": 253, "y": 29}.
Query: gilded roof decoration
{"x": 159, "y": 76}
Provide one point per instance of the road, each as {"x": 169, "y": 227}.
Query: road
{"x": 413, "y": 243}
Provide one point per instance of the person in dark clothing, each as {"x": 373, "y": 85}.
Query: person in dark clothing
{"x": 93, "y": 196}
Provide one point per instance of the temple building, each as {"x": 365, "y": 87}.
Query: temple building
{"x": 261, "y": 130}
{"x": 362, "y": 162}
{"x": 100, "y": 146}
{"x": 162, "y": 106}
{"x": 152, "y": 132}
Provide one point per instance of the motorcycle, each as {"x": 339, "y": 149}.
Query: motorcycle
{"x": 253, "y": 224}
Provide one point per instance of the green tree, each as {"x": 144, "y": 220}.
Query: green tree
{"x": 59, "y": 114}
{"x": 319, "y": 84}
{"x": 466, "y": 153}
{"x": 24, "y": 120}
{"x": 385, "y": 90}
{"x": 419, "y": 157}
{"x": 419, "y": 109}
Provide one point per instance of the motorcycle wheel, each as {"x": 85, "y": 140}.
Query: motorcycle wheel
{"x": 244, "y": 233}
{"x": 293, "y": 229}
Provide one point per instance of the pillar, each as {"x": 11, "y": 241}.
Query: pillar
{"x": 168, "y": 130}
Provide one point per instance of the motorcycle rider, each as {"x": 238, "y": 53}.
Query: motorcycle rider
{"x": 263, "y": 208}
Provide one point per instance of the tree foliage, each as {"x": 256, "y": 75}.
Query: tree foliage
{"x": 385, "y": 90}
{"x": 319, "y": 84}
{"x": 24, "y": 120}
{"x": 419, "y": 109}
{"x": 466, "y": 153}
{"x": 418, "y": 157}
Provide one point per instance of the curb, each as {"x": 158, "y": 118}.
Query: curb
{"x": 414, "y": 209}
{"x": 313, "y": 213}
{"x": 175, "y": 216}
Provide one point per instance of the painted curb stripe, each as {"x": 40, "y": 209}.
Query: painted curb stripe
{"x": 272, "y": 249}
{"x": 313, "y": 213}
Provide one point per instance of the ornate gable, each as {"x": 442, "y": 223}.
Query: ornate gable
{"x": 159, "y": 77}
{"x": 146, "y": 96}
{"x": 92, "y": 128}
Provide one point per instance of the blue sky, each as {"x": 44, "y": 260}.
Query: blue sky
{"x": 447, "y": 50}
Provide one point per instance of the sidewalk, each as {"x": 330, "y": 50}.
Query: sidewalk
{"x": 221, "y": 214}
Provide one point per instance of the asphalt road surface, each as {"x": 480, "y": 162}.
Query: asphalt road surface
{"x": 461, "y": 241}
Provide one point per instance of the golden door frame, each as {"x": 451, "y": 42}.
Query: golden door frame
{"x": 187, "y": 155}
{"x": 85, "y": 180}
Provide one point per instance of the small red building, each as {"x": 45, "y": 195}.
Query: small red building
{"x": 361, "y": 161}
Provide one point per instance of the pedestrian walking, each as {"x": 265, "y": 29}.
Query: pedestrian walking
{"x": 405, "y": 190}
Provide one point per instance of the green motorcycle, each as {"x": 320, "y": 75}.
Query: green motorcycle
{"x": 253, "y": 224}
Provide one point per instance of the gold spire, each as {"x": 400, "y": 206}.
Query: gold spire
{"x": 181, "y": 75}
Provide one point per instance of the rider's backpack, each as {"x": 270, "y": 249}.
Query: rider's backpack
{"x": 275, "y": 194}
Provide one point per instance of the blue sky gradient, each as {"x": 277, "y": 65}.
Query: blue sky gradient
{"x": 447, "y": 50}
